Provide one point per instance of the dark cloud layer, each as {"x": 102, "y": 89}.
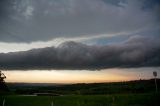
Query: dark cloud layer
{"x": 135, "y": 52}
{"x": 42, "y": 20}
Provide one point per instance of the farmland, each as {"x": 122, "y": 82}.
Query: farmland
{"x": 147, "y": 99}
{"x": 131, "y": 93}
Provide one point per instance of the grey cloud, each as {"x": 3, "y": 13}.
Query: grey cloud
{"x": 135, "y": 52}
{"x": 33, "y": 20}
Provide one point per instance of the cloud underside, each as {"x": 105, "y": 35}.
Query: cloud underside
{"x": 32, "y": 20}
{"x": 135, "y": 52}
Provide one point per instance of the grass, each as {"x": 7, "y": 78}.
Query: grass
{"x": 145, "y": 99}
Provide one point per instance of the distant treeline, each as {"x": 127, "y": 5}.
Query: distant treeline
{"x": 137, "y": 86}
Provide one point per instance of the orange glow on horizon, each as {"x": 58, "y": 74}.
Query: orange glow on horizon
{"x": 75, "y": 76}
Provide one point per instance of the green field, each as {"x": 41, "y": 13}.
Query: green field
{"x": 131, "y": 93}
{"x": 145, "y": 99}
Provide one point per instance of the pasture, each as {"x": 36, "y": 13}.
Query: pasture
{"x": 143, "y": 99}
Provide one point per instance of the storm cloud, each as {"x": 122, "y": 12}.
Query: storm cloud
{"x": 43, "y": 20}
{"x": 136, "y": 51}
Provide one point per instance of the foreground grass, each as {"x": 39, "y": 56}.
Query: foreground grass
{"x": 147, "y": 99}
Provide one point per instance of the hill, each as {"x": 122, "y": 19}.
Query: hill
{"x": 136, "y": 86}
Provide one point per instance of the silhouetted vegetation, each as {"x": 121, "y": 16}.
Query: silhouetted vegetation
{"x": 137, "y": 86}
{"x": 130, "y": 93}
{"x": 3, "y": 85}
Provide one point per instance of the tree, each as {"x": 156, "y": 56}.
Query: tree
{"x": 2, "y": 81}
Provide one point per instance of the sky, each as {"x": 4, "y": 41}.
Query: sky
{"x": 76, "y": 41}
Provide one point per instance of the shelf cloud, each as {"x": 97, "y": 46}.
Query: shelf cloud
{"x": 136, "y": 51}
{"x": 79, "y": 34}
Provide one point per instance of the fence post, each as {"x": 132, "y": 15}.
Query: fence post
{"x": 52, "y": 103}
{"x": 3, "y": 102}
